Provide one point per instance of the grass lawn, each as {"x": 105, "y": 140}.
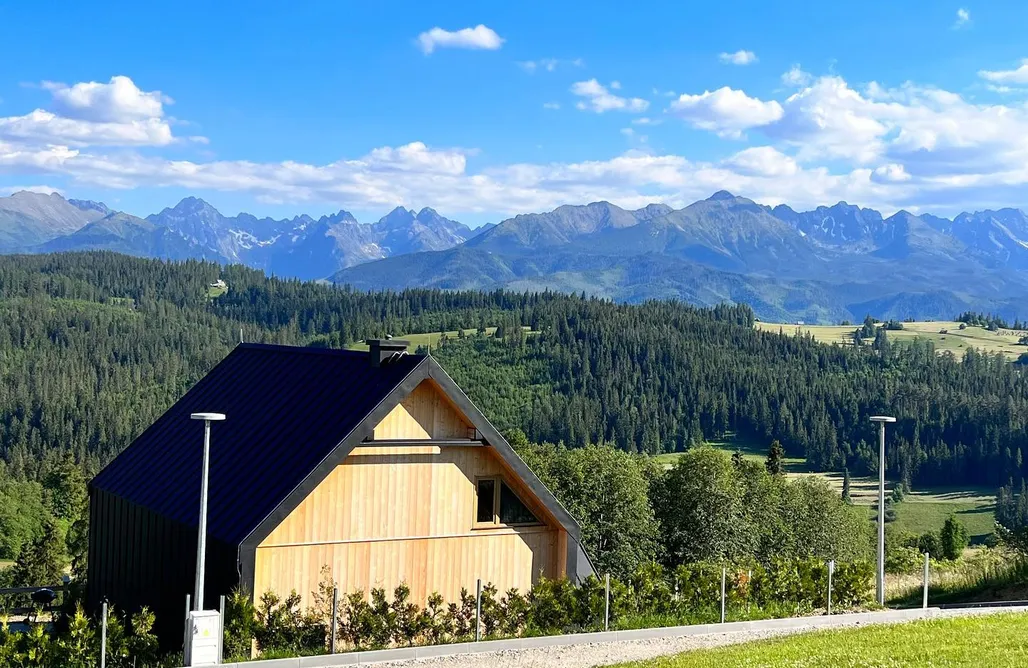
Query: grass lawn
{"x": 751, "y": 450}
{"x": 996, "y": 641}
{"x": 955, "y": 339}
{"x": 976, "y": 510}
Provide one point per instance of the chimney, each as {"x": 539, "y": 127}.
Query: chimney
{"x": 380, "y": 351}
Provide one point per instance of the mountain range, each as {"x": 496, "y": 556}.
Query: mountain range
{"x": 300, "y": 247}
{"x": 832, "y": 263}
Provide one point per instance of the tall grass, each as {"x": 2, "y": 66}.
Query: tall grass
{"x": 982, "y": 575}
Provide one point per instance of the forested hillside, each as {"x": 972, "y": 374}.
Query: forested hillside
{"x": 96, "y": 345}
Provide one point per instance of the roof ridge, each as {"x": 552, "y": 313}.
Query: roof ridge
{"x": 284, "y": 348}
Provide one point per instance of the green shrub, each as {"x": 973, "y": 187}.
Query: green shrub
{"x": 513, "y": 613}
{"x": 282, "y": 625}
{"x": 358, "y": 623}
{"x": 410, "y": 621}
{"x": 439, "y": 624}
{"x": 240, "y": 625}
{"x": 953, "y": 538}
{"x": 490, "y": 610}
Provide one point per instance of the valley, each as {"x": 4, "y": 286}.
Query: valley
{"x": 923, "y": 509}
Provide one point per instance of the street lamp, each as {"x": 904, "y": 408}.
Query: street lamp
{"x": 201, "y": 543}
{"x": 881, "y": 420}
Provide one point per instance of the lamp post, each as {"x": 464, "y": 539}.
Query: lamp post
{"x": 881, "y": 420}
{"x": 201, "y": 543}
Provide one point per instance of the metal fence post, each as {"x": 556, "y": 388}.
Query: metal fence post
{"x": 335, "y": 614}
{"x": 103, "y": 637}
{"x": 221, "y": 640}
{"x": 606, "y": 603}
{"x": 831, "y": 571}
{"x": 478, "y": 611}
{"x": 924, "y": 599}
{"x": 185, "y": 631}
{"x": 724, "y": 575}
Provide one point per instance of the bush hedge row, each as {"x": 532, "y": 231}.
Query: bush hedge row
{"x": 650, "y": 596}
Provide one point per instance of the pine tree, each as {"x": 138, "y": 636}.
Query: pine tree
{"x": 846, "y": 485}
{"x": 774, "y": 458}
{"x": 41, "y": 562}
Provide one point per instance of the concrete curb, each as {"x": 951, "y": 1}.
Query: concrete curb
{"x": 433, "y": 651}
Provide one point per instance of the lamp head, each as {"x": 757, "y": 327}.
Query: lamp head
{"x": 209, "y": 417}
{"x": 882, "y": 418}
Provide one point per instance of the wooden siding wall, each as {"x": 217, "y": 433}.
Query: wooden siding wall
{"x": 392, "y": 514}
{"x": 426, "y": 413}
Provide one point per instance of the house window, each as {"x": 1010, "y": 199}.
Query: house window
{"x": 486, "y": 501}
{"x": 498, "y": 504}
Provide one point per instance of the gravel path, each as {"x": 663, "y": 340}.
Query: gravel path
{"x": 605, "y": 654}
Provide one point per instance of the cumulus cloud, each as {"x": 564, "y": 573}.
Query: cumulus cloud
{"x": 908, "y": 146}
{"x": 47, "y": 128}
{"x": 479, "y": 37}
{"x": 1018, "y": 75}
{"x": 118, "y": 101}
{"x": 726, "y": 111}
{"x": 599, "y": 99}
{"x": 117, "y": 113}
{"x": 738, "y": 58}
{"x": 763, "y": 161}
{"x": 796, "y": 78}
{"x": 891, "y": 173}
{"x": 963, "y": 18}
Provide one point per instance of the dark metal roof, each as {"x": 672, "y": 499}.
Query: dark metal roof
{"x": 287, "y": 408}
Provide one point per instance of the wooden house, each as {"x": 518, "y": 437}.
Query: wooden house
{"x": 373, "y": 464}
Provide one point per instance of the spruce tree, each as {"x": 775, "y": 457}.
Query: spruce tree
{"x": 774, "y": 458}
{"x": 41, "y": 562}
{"x": 846, "y": 485}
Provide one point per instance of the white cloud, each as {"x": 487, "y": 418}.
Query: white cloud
{"x": 829, "y": 119}
{"x": 42, "y": 190}
{"x": 551, "y": 105}
{"x": 738, "y": 58}
{"x": 94, "y": 114}
{"x": 909, "y": 146}
{"x": 548, "y": 64}
{"x": 599, "y": 99}
{"x": 119, "y": 101}
{"x": 726, "y": 111}
{"x": 44, "y": 127}
{"x": 1015, "y": 76}
{"x": 891, "y": 173}
{"x": 763, "y": 161}
{"x": 479, "y": 37}
{"x": 963, "y": 18}
{"x": 796, "y": 78}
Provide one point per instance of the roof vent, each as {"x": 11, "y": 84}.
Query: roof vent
{"x": 381, "y": 351}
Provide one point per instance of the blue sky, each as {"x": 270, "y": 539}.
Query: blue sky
{"x": 279, "y": 108}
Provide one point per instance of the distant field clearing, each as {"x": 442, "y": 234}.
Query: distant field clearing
{"x": 954, "y": 339}
{"x": 925, "y": 509}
